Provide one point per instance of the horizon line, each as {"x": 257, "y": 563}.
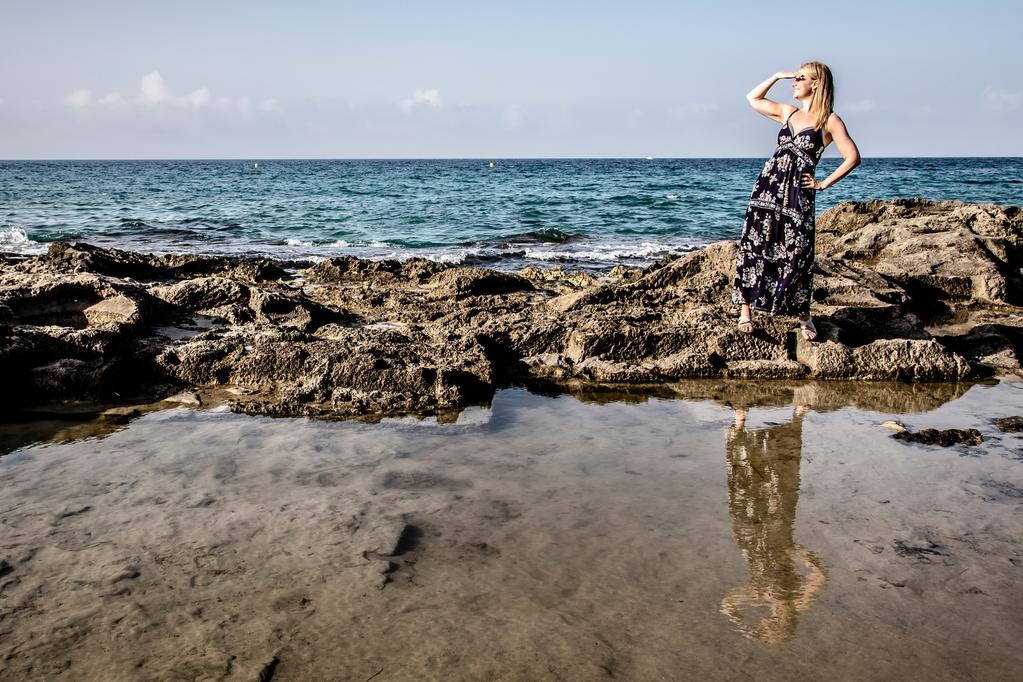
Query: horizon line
{"x": 469, "y": 158}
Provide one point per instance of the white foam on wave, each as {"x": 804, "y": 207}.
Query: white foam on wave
{"x": 447, "y": 258}
{"x": 297, "y": 242}
{"x": 610, "y": 253}
{"x": 13, "y": 235}
{"x": 14, "y": 239}
{"x": 345, "y": 244}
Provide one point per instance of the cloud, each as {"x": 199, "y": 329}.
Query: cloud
{"x": 694, "y": 109}
{"x": 197, "y": 98}
{"x": 112, "y": 99}
{"x": 860, "y": 106}
{"x": 430, "y": 98}
{"x": 79, "y": 99}
{"x": 1002, "y": 100}
{"x": 154, "y": 90}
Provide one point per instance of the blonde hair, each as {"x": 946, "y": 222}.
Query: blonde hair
{"x": 823, "y": 98}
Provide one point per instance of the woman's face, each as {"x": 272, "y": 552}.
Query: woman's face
{"x": 802, "y": 85}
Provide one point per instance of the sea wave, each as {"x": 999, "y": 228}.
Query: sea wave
{"x": 14, "y": 239}
{"x": 611, "y": 252}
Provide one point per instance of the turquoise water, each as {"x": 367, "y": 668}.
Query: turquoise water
{"x": 588, "y": 213}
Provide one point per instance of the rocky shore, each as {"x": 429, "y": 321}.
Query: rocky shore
{"x": 908, "y": 290}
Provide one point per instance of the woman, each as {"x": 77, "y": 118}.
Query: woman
{"x": 774, "y": 269}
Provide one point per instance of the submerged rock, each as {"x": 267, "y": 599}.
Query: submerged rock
{"x": 1009, "y": 424}
{"x": 945, "y": 438}
{"x": 906, "y": 290}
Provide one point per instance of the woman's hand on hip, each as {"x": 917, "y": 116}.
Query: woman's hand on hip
{"x": 808, "y": 182}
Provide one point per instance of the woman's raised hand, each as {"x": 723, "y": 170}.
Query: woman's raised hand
{"x": 787, "y": 74}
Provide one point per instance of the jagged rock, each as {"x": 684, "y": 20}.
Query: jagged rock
{"x": 883, "y": 360}
{"x": 361, "y": 337}
{"x": 765, "y": 369}
{"x": 948, "y": 249}
{"x": 71, "y": 377}
{"x": 80, "y": 257}
{"x": 352, "y": 269}
{"x": 464, "y": 282}
{"x": 557, "y": 276}
{"x": 116, "y": 310}
{"x": 204, "y": 293}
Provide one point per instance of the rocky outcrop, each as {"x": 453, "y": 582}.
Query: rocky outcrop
{"x": 906, "y": 290}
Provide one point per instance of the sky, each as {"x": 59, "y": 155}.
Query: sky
{"x": 253, "y": 80}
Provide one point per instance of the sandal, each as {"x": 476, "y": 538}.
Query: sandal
{"x": 809, "y": 331}
{"x": 745, "y": 324}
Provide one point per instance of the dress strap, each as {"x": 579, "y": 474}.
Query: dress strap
{"x": 790, "y": 115}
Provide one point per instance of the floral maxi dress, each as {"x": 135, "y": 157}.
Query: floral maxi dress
{"x": 774, "y": 269}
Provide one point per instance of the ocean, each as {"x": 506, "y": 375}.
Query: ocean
{"x": 588, "y": 214}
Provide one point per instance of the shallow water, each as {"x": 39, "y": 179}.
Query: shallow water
{"x": 734, "y": 530}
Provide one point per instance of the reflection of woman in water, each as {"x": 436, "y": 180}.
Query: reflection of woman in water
{"x": 763, "y": 487}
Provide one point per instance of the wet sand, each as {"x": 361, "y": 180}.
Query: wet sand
{"x": 743, "y": 532}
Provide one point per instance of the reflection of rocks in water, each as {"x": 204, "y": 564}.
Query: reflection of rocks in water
{"x": 763, "y": 488}
{"x": 821, "y": 396}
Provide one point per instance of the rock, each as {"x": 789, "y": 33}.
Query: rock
{"x": 460, "y": 283}
{"x": 383, "y": 537}
{"x": 559, "y": 277}
{"x": 908, "y": 360}
{"x": 80, "y": 257}
{"x": 368, "y": 338}
{"x": 944, "y": 249}
{"x": 184, "y": 398}
{"x": 765, "y": 369}
{"x": 116, "y": 310}
{"x": 945, "y": 438}
{"x": 579, "y": 299}
{"x": 686, "y": 364}
{"x": 894, "y": 426}
{"x": 120, "y": 415}
{"x": 1009, "y": 424}
{"x": 883, "y": 360}
{"x": 204, "y": 293}
{"x": 67, "y": 377}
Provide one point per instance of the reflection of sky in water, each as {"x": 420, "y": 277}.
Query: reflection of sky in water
{"x": 638, "y": 520}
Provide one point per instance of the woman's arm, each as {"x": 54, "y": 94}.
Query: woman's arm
{"x": 769, "y": 108}
{"x": 846, "y": 147}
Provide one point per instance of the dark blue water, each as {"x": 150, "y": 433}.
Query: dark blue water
{"x": 587, "y": 213}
